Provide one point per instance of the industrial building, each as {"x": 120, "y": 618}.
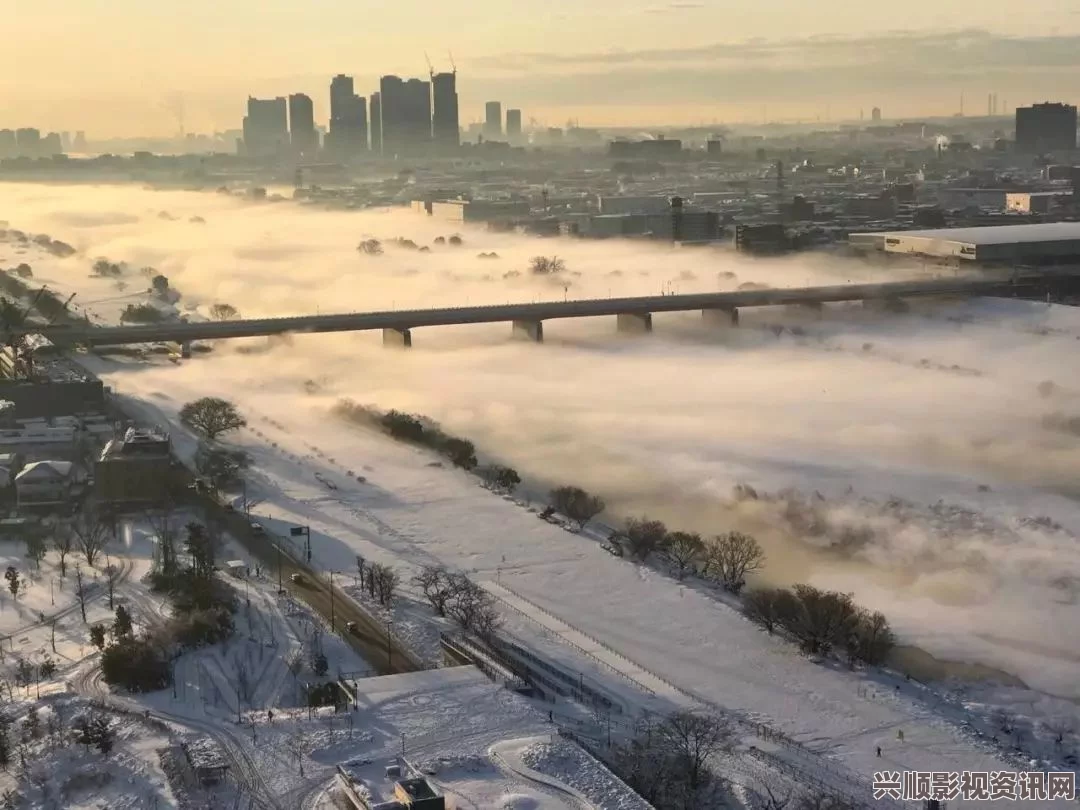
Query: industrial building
{"x": 1046, "y": 127}
{"x": 1001, "y": 245}
{"x": 654, "y": 204}
{"x": 653, "y": 149}
{"x": 135, "y": 469}
{"x": 478, "y": 210}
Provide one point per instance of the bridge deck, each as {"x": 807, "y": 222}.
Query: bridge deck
{"x": 548, "y": 310}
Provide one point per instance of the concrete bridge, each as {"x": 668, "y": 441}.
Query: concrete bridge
{"x": 527, "y": 320}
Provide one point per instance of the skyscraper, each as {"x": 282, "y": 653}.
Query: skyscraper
{"x": 875, "y": 114}
{"x": 493, "y": 119}
{"x": 445, "y": 126}
{"x": 302, "y": 135}
{"x": 513, "y": 124}
{"x": 266, "y": 126}
{"x": 1046, "y": 127}
{"x": 406, "y": 115}
{"x": 376, "y": 123}
{"x": 348, "y": 134}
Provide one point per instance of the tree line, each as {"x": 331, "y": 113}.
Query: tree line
{"x": 452, "y": 594}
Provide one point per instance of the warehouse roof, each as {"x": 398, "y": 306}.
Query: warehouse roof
{"x": 998, "y": 234}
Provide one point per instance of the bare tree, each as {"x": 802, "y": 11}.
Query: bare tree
{"x": 871, "y": 638}
{"x": 298, "y": 745}
{"x": 63, "y": 542}
{"x": 730, "y": 557}
{"x": 774, "y": 799}
{"x": 386, "y": 582}
{"x": 80, "y": 591}
{"x": 161, "y": 521}
{"x": 577, "y": 504}
{"x": 822, "y": 619}
{"x": 224, "y": 312}
{"x": 472, "y": 607}
{"x": 91, "y": 529}
{"x": 695, "y": 739}
{"x": 112, "y": 576}
{"x": 435, "y": 583}
{"x": 212, "y": 416}
{"x": 768, "y": 606}
{"x": 642, "y": 537}
{"x": 546, "y": 265}
{"x": 683, "y": 550}
{"x": 1059, "y": 728}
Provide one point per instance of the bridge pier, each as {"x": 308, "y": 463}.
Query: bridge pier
{"x": 528, "y": 330}
{"x": 397, "y": 338}
{"x": 185, "y": 350}
{"x": 721, "y": 317}
{"x": 888, "y": 304}
{"x": 634, "y": 323}
{"x": 807, "y": 307}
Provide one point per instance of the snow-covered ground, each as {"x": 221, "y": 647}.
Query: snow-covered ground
{"x": 932, "y": 439}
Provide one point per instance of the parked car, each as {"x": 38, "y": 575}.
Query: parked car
{"x": 296, "y": 578}
{"x": 350, "y": 626}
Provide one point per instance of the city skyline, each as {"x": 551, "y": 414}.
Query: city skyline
{"x": 659, "y": 63}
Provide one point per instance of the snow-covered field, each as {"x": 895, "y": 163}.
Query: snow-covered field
{"x": 943, "y": 460}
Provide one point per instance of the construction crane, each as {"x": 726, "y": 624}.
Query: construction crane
{"x": 430, "y": 69}
{"x": 453, "y": 67}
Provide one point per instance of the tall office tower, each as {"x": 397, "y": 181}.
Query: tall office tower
{"x": 266, "y": 126}
{"x": 348, "y": 134}
{"x": 302, "y": 135}
{"x": 445, "y": 126}
{"x": 513, "y": 124}
{"x": 8, "y": 143}
{"x": 875, "y": 114}
{"x": 375, "y": 120}
{"x": 493, "y": 120}
{"x": 405, "y": 106}
{"x": 28, "y": 141}
{"x": 1046, "y": 127}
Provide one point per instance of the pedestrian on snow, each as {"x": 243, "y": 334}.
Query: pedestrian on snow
{"x": 879, "y": 752}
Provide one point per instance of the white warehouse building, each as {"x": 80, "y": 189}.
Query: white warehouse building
{"x": 1044, "y": 243}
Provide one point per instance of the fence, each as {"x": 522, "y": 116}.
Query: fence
{"x": 756, "y": 727}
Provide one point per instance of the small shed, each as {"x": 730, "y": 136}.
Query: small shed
{"x": 238, "y": 568}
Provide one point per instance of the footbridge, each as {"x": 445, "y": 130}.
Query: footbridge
{"x": 632, "y": 314}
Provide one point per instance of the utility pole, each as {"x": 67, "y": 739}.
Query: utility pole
{"x": 389, "y": 653}
{"x": 279, "y": 585}
{"x": 332, "y": 626}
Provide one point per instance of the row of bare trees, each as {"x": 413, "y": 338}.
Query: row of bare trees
{"x": 725, "y": 559}
{"x": 381, "y": 581}
{"x": 453, "y": 594}
{"x": 822, "y": 621}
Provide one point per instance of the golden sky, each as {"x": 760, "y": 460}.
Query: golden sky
{"x": 116, "y": 67}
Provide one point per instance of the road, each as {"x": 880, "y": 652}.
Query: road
{"x": 370, "y": 636}
{"x": 76, "y": 333}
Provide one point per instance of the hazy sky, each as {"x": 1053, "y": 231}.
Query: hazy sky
{"x": 106, "y": 65}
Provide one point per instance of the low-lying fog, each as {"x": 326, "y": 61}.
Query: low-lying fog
{"x": 912, "y": 459}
